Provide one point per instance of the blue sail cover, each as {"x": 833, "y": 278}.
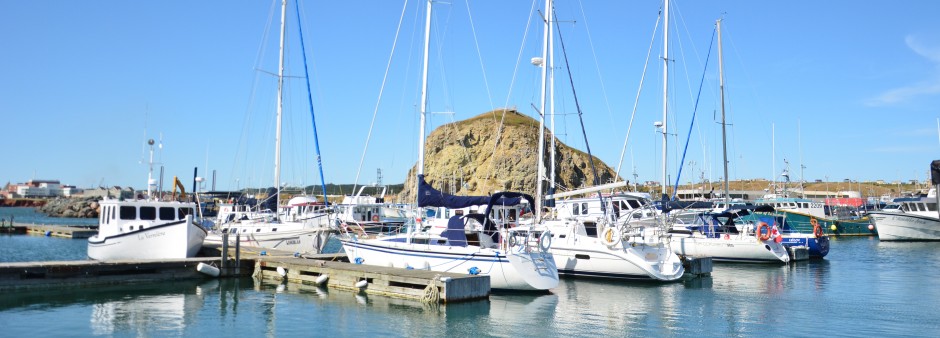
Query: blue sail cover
{"x": 430, "y": 197}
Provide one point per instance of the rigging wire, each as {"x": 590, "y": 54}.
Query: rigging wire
{"x": 692, "y": 123}
{"x": 638, "y": 91}
{"x": 577, "y": 105}
{"x": 375, "y": 112}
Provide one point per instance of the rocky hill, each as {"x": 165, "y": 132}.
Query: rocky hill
{"x": 497, "y": 151}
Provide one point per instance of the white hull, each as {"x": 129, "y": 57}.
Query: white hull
{"x": 893, "y": 226}
{"x": 515, "y": 271}
{"x": 745, "y": 249}
{"x": 640, "y": 262}
{"x": 180, "y": 239}
{"x": 306, "y": 240}
{"x": 580, "y": 255}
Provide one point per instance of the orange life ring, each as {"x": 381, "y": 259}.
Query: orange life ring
{"x": 375, "y": 218}
{"x": 817, "y": 230}
{"x": 760, "y": 234}
{"x": 814, "y": 222}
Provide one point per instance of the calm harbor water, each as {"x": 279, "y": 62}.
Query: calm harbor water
{"x": 863, "y": 288}
{"x": 29, "y": 215}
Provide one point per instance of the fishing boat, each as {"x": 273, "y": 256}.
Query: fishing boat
{"x": 515, "y": 258}
{"x": 917, "y": 219}
{"x": 146, "y": 228}
{"x": 807, "y": 216}
{"x": 302, "y": 226}
{"x": 368, "y": 214}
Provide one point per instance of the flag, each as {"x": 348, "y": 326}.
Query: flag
{"x": 776, "y": 234}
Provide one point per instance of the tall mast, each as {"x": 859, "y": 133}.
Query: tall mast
{"x": 550, "y": 65}
{"x": 280, "y": 104}
{"x": 541, "y": 158}
{"x": 424, "y": 96}
{"x": 665, "y": 87}
{"x": 724, "y": 140}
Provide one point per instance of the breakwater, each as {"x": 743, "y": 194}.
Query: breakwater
{"x": 74, "y": 207}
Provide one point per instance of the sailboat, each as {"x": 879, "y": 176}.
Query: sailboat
{"x": 725, "y": 236}
{"x": 586, "y": 245}
{"x": 302, "y": 226}
{"x": 514, "y": 257}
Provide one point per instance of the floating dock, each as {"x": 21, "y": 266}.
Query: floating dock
{"x": 321, "y": 270}
{"x": 30, "y": 275}
{"x": 429, "y": 286}
{"x": 13, "y": 229}
{"x": 60, "y": 231}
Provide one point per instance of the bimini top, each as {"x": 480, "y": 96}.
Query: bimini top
{"x": 430, "y": 197}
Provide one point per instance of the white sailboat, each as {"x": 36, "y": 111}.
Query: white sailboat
{"x": 515, "y": 258}
{"x": 146, "y": 228}
{"x": 303, "y": 226}
{"x": 737, "y": 243}
{"x": 602, "y": 245}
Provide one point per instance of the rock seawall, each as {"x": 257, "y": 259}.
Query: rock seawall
{"x": 76, "y": 207}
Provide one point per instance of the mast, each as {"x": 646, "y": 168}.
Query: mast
{"x": 541, "y": 148}
{"x": 424, "y": 97}
{"x": 724, "y": 140}
{"x": 665, "y": 87}
{"x": 280, "y": 105}
{"x": 550, "y": 65}
{"x": 150, "y": 181}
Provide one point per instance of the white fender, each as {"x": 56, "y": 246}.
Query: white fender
{"x": 208, "y": 269}
{"x": 321, "y": 279}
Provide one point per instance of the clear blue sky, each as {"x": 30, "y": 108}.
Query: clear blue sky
{"x": 850, "y": 89}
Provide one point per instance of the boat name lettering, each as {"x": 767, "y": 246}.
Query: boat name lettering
{"x": 151, "y": 235}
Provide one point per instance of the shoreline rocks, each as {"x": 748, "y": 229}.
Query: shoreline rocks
{"x": 75, "y": 207}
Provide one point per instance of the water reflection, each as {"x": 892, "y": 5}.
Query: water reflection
{"x": 876, "y": 289}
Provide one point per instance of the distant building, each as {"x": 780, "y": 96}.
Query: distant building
{"x": 39, "y": 189}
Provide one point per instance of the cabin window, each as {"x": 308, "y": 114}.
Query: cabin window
{"x": 920, "y": 207}
{"x": 458, "y": 212}
{"x": 633, "y": 204}
{"x": 128, "y": 212}
{"x": 185, "y": 211}
{"x": 111, "y": 209}
{"x": 931, "y": 206}
{"x": 167, "y": 214}
{"x": 148, "y": 213}
{"x": 590, "y": 229}
{"x": 584, "y": 208}
{"x": 905, "y": 207}
{"x": 576, "y": 209}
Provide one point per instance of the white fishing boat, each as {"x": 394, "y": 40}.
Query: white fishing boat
{"x": 367, "y": 214}
{"x": 302, "y": 226}
{"x": 515, "y": 258}
{"x": 916, "y": 219}
{"x": 146, "y": 228}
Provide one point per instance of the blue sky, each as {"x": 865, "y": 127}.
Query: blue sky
{"x": 850, "y": 89}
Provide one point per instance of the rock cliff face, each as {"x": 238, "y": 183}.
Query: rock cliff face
{"x": 497, "y": 151}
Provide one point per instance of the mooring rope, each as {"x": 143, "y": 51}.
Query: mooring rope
{"x": 431, "y": 293}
